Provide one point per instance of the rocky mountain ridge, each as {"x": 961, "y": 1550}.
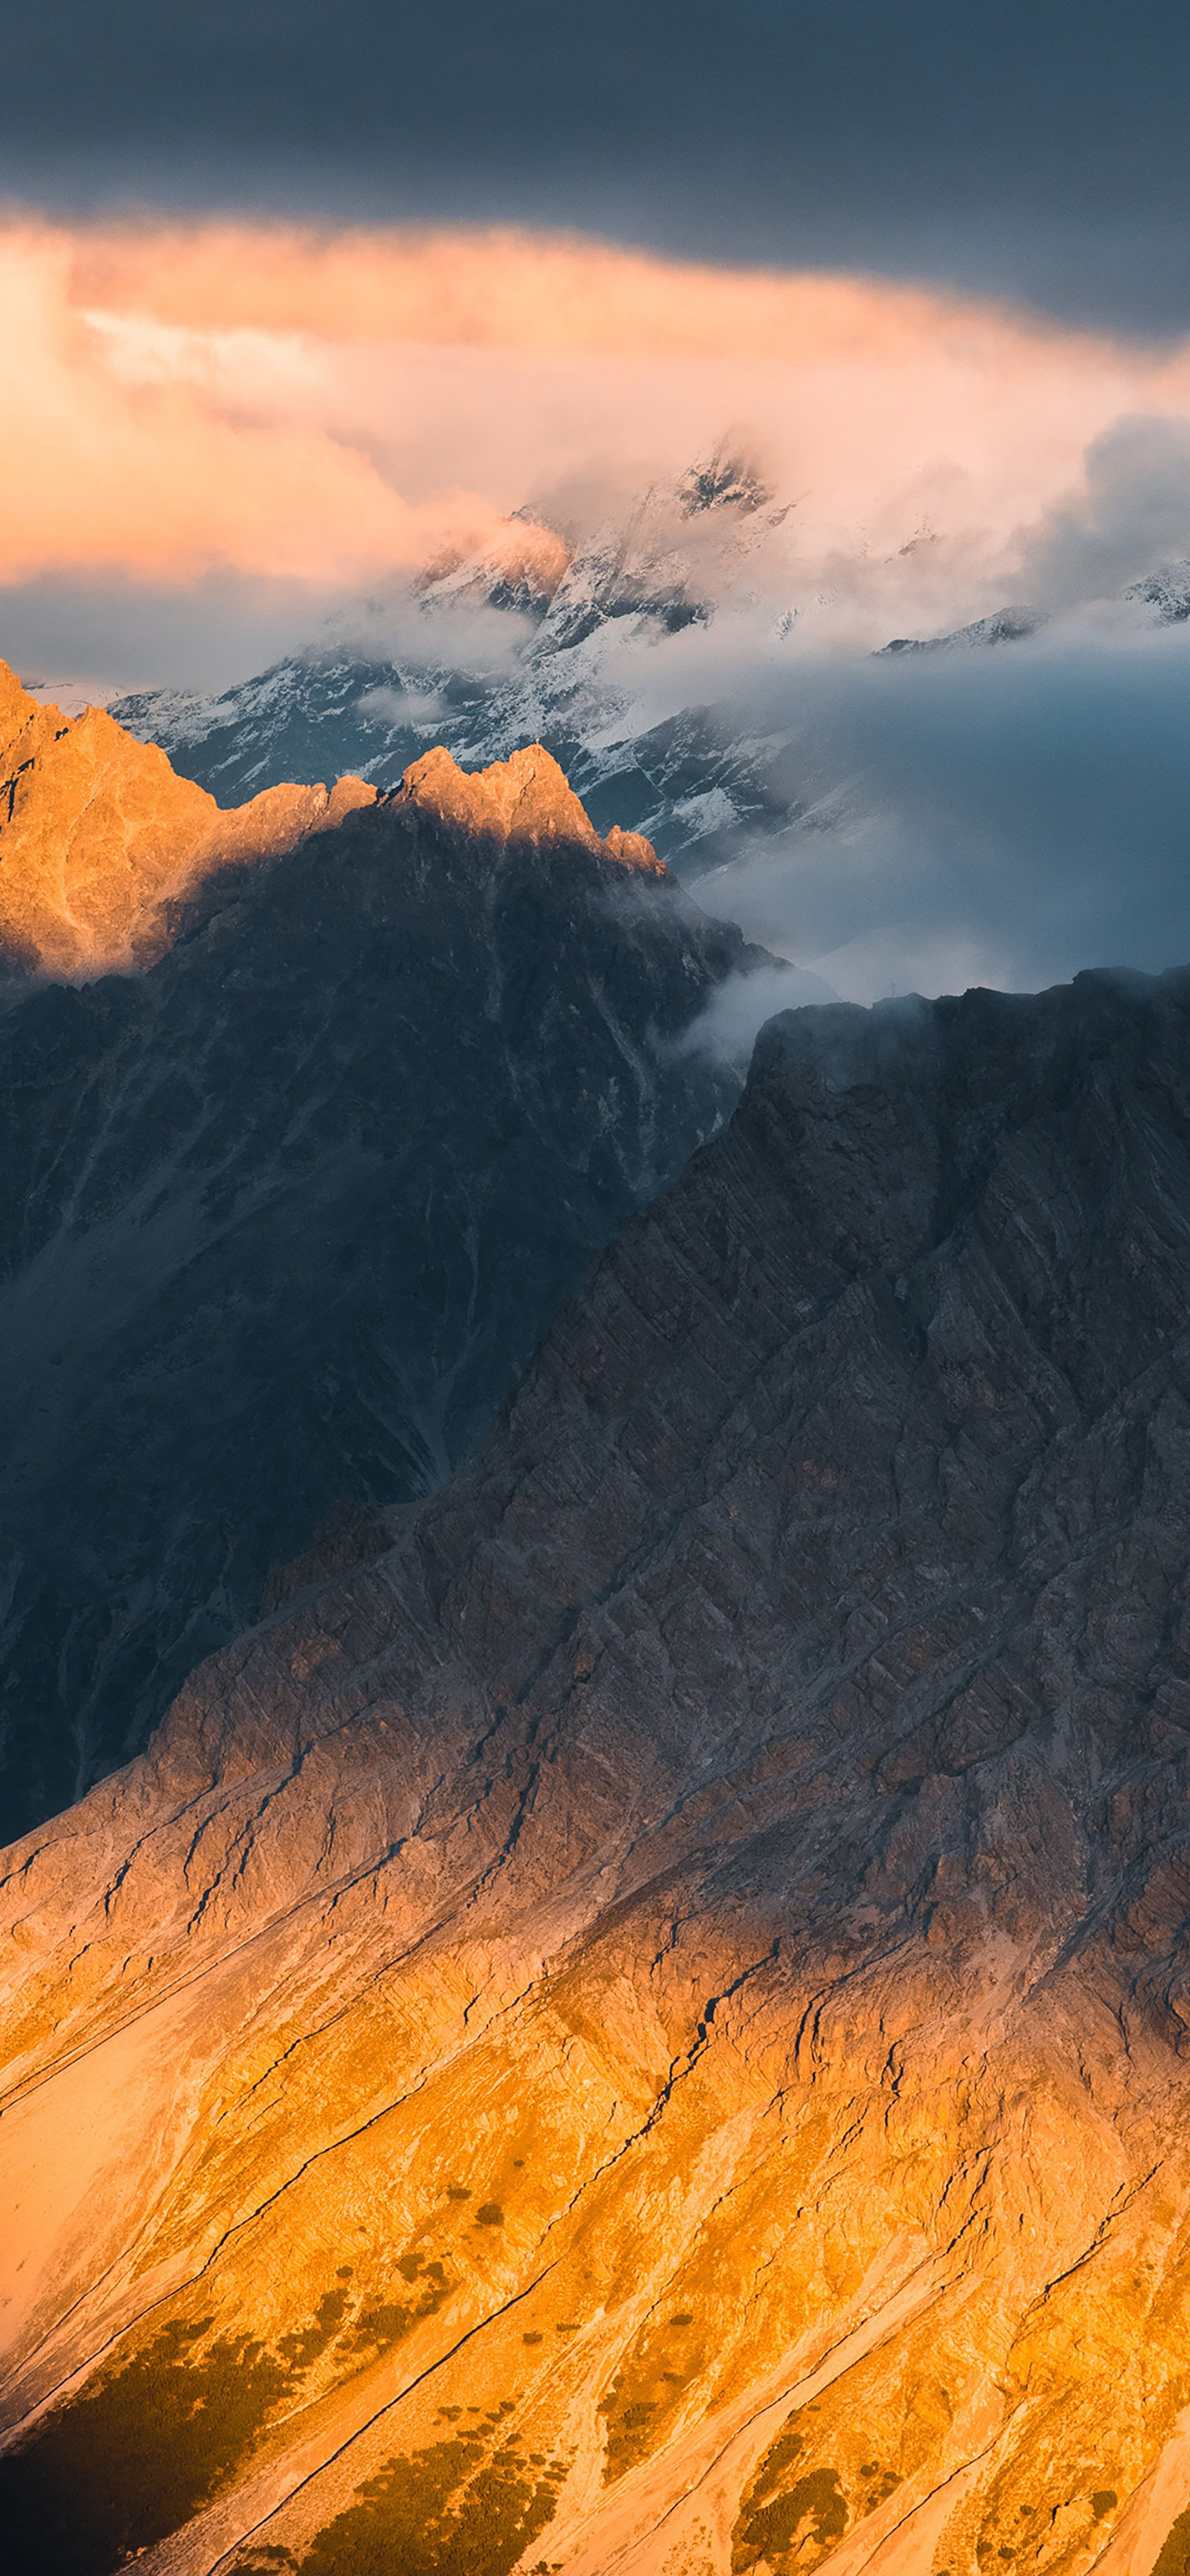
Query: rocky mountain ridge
{"x": 99, "y": 836}
{"x": 525, "y": 799}
{"x": 286, "y": 1211}
{"x": 640, "y": 2028}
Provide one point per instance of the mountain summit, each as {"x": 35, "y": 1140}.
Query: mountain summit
{"x": 98, "y": 835}
{"x": 527, "y": 798}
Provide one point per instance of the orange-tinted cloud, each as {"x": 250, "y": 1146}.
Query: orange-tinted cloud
{"x": 512, "y": 289}
{"x": 154, "y": 468}
{"x": 329, "y": 406}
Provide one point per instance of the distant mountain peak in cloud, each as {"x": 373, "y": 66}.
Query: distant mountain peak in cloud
{"x": 1167, "y": 590}
{"x": 520, "y": 568}
{"x": 1005, "y": 626}
{"x": 708, "y": 682}
{"x": 723, "y": 480}
{"x": 520, "y": 642}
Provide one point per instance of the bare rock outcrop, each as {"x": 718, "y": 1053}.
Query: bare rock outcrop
{"x": 644, "y": 2024}
{"x": 527, "y": 798}
{"x": 99, "y": 835}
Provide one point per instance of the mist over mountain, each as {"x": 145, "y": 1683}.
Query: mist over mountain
{"x": 642, "y": 2025}
{"x": 999, "y": 802}
{"x": 523, "y": 642}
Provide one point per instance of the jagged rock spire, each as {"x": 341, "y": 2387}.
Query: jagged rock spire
{"x": 525, "y": 798}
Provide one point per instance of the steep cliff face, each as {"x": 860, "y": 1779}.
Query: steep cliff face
{"x": 643, "y": 2025}
{"x": 283, "y": 1215}
{"x": 98, "y": 835}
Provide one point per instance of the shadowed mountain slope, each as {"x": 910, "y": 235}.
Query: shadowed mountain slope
{"x": 643, "y": 2027}
{"x": 284, "y": 1215}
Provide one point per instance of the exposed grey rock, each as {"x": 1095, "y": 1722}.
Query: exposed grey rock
{"x": 675, "y": 1961}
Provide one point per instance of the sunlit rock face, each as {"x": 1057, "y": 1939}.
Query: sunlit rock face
{"x": 98, "y": 835}
{"x": 525, "y": 798}
{"x": 283, "y": 1216}
{"x": 643, "y": 2025}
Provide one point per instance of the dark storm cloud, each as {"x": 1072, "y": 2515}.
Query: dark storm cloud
{"x": 1031, "y": 148}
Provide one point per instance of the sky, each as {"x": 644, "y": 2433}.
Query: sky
{"x": 295, "y": 298}
{"x": 1027, "y": 147}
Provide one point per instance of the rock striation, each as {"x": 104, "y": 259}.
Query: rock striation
{"x": 643, "y": 2024}
{"x": 284, "y": 1214}
{"x": 98, "y": 836}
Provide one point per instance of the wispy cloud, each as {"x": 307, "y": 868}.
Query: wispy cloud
{"x": 217, "y": 433}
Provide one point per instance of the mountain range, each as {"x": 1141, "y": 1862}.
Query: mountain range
{"x": 638, "y": 2024}
{"x": 596, "y": 1688}
{"x": 547, "y": 637}
{"x": 522, "y": 643}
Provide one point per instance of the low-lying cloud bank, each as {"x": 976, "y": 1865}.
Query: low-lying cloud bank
{"x": 1003, "y": 819}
